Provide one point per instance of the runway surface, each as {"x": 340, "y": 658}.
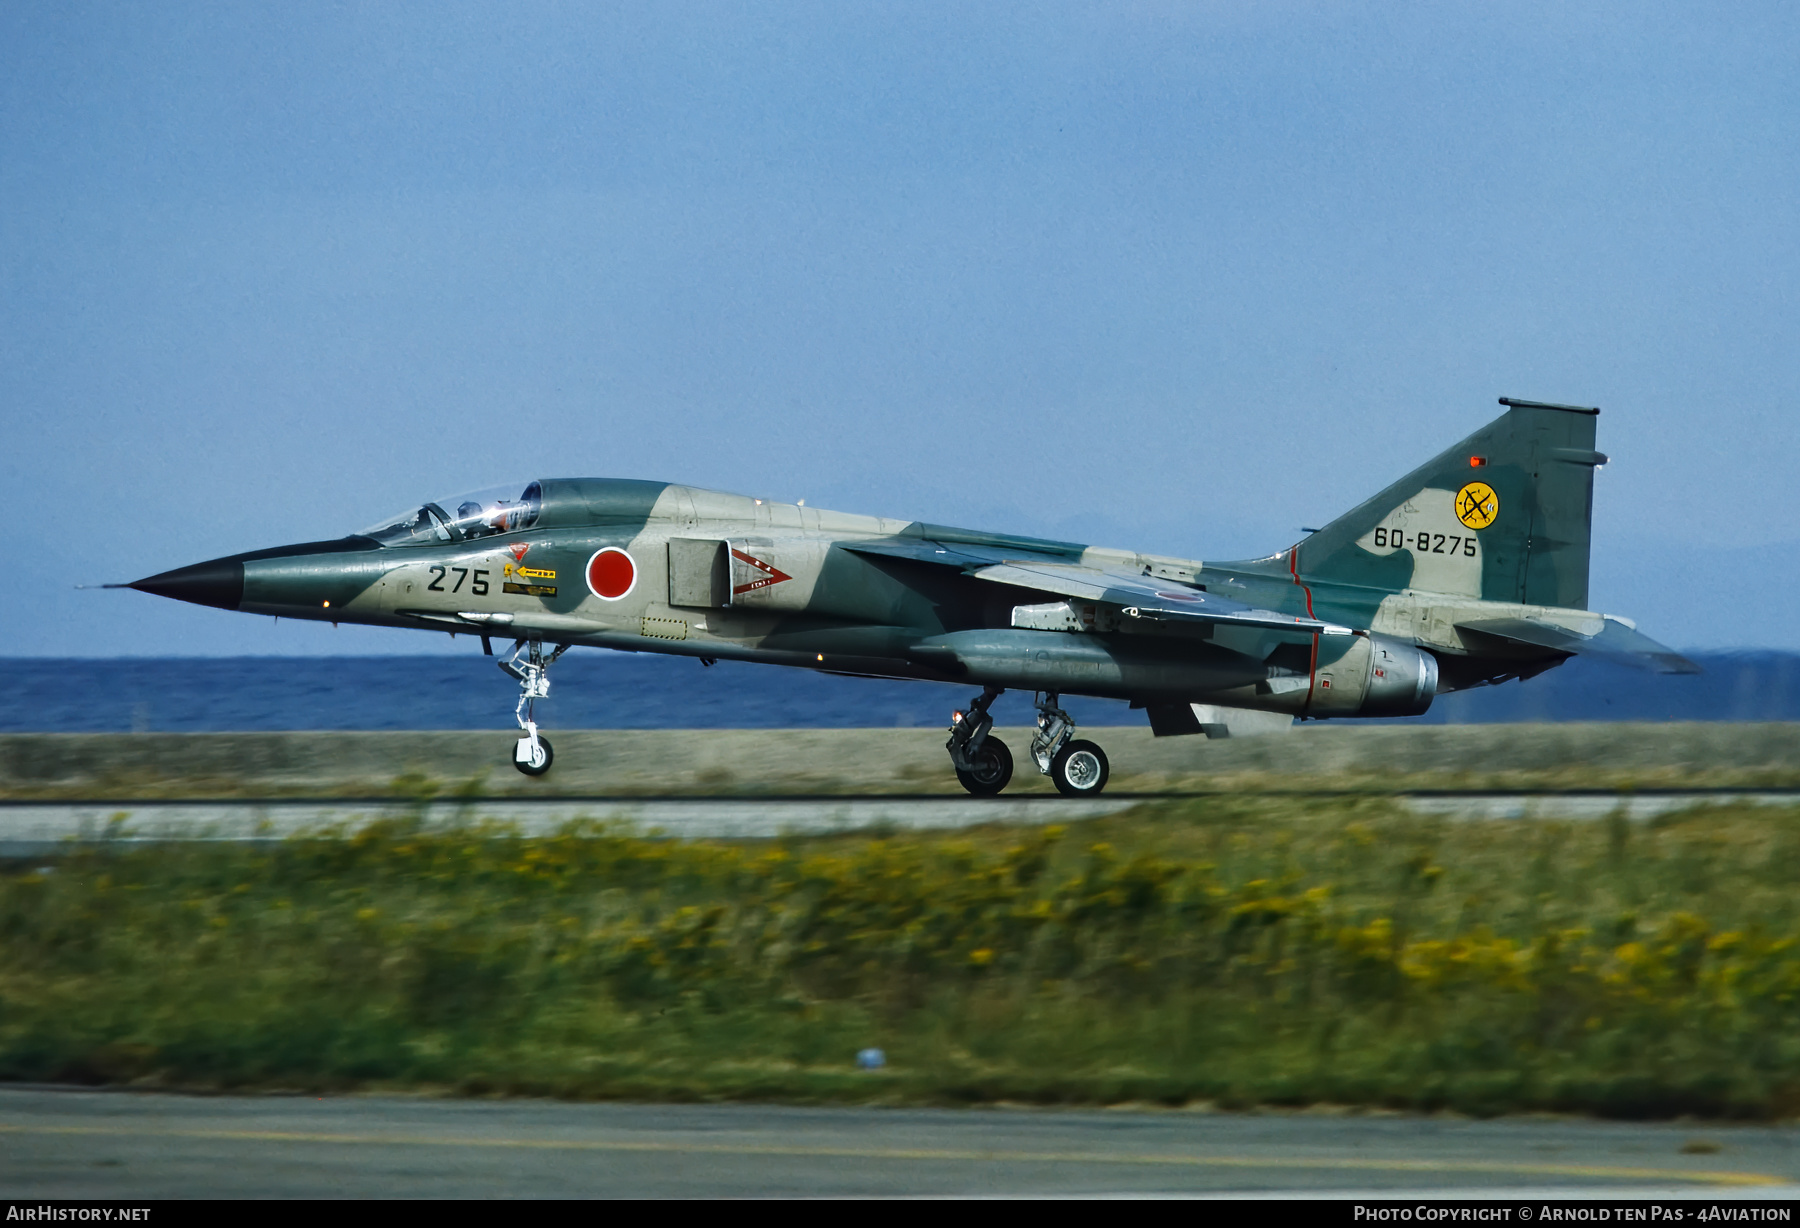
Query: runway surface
{"x": 79, "y": 1144}
{"x": 1578, "y": 806}
{"x": 28, "y": 828}
{"x": 34, "y": 828}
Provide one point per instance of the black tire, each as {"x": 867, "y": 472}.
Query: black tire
{"x": 993, "y": 769}
{"x": 1080, "y": 769}
{"x": 540, "y": 768}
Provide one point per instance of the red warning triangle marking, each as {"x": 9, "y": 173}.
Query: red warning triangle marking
{"x": 771, "y": 575}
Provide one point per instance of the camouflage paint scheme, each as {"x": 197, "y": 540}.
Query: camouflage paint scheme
{"x": 1470, "y": 570}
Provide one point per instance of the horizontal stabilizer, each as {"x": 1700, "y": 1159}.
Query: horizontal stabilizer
{"x": 1616, "y": 641}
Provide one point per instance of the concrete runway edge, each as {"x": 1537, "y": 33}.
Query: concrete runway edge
{"x": 84, "y": 1144}
{"x": 33, "y": 829}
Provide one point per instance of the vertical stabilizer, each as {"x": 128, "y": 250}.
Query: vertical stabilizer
{"x": 1505, "y": 515}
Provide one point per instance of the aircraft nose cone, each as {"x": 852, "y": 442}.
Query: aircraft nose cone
{"x": 218, "y": 583}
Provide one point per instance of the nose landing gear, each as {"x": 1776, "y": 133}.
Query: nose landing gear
{"x": 532, "y": 754}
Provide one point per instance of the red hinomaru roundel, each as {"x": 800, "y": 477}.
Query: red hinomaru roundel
{"x": 611, "y": 574}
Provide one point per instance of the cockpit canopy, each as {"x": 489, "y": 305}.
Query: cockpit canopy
{"x": 482, "y": 513}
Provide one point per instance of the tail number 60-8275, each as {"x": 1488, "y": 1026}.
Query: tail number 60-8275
{"x": 1425, "y": 543}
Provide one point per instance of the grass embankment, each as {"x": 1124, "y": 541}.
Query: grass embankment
{"x": 1252, "y": 951}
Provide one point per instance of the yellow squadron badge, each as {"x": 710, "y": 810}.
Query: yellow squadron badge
{"x": 1477, "y": 505}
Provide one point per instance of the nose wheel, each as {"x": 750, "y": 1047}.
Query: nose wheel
{"x": 532, "y": 754}
{"x": 533, "y": 757}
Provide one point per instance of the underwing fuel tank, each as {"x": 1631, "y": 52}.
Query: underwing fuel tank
{"x": 1058, "y": 661}
{"x": 1353, "y": 675}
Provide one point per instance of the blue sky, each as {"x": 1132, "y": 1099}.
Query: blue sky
{"x": 1175, "y": 277}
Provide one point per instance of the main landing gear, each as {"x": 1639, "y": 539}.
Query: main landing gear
{"x": 984, "y": 764}
{"x": 532, "y": 753}
{"x": 1076, "y": 768}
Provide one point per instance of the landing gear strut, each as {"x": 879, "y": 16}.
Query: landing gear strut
{"x": 532, "y": 753}
{"x": 1077, "y": 768}
{"x": 983, "y": 763}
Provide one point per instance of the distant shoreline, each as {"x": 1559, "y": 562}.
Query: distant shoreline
{"x": 606, "y": 690}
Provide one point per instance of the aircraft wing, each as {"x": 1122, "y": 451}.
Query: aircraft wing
{"x": 1137, "y": 596}
{"x": 961, "y": 555}
{"x": 1140, "y": 596}
{"x": 1616, "y": 641}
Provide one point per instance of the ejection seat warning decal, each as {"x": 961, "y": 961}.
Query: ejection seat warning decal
{"x": 765, "y": 574}
{"x": 529, "y": 573}
{"x": 1477, "y": 505}
{"x": 517, "y": 568}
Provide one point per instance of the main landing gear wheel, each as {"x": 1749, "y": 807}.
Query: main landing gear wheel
{"x": 983, "y": 764}
{"x": 991, "y": 771}
{"x": 1079, "y": 769}
{"x": 533, "y": 758}
{"x": 1076, "y": 768}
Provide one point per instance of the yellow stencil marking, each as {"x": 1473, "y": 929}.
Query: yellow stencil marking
{"x": 1477, "y": 505}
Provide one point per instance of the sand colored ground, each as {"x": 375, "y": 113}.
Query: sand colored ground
{"x": 603, "y": 763}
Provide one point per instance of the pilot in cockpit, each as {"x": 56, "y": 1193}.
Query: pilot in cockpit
{"x": 475, "y": 519}
{"x": 481, "y": 514}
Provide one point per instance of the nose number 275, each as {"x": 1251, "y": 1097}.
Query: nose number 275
{"x": 479, "y": 586}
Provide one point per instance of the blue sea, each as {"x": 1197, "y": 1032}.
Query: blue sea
{"x": 605, "y": 690}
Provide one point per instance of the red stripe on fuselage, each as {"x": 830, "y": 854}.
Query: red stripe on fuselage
{"x": 1312, "y": 666}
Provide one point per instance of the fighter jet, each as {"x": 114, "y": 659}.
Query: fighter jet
{"x": 1469, "y": 571}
